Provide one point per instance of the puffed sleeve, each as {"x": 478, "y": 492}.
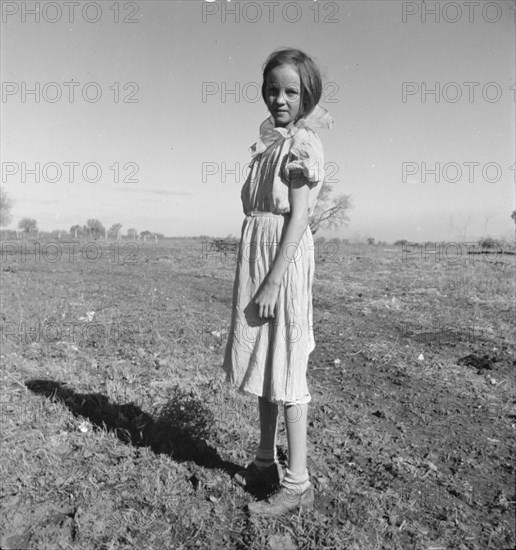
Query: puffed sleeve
{"x": 305, "y": 158}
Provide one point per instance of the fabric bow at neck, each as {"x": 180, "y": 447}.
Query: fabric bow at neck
{"x": 269, "y": 134}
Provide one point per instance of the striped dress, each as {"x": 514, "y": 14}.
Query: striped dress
{"x": 269, "y": 357}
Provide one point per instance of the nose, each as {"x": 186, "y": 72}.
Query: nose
{"x": 281, "y": 98}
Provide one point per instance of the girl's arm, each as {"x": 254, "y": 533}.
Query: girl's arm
{"x": 287, "y": 250}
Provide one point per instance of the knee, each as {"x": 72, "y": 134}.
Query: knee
{"x": 294, "y": 411}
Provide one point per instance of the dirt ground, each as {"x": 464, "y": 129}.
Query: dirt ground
{"x": 118, "y": 430}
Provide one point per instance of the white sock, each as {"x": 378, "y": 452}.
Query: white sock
{"x": 265, "y": 458}
{"x": 298, "y": 483}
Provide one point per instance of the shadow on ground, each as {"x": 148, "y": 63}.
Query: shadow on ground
{"x": 180, "y": 430}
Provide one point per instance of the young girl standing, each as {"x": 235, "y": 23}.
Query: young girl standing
{"x": 271, "y": 332}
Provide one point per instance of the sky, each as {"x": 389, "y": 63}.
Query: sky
{"x": 166, "y": 105}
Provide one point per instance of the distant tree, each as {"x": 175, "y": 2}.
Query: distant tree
{"x": 114, "y": 231}
{"x": 488, "y": 242}
{"x": 400, "y": 242}
{"x": 513, "y": 215}
{"x": 28, "y": 225}
{"x": 330, "y": 212}
{"x": 5, "y": 208}
{"x": 370, "y": 240}
{"x": 132, "y": 233}
{"x": 76, "y": 231}
{"x": 95, "y": 228}
{"x": 144, "y": 235}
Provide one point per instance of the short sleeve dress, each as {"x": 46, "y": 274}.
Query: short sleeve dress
{"x": 269, "y": 357}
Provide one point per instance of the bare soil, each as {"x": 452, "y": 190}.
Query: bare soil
{"x": 121, "y": 433}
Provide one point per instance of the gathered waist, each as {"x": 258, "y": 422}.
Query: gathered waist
{"x": 259, "y": 213}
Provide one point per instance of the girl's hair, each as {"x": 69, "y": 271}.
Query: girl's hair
{"x": 309, "y": 76}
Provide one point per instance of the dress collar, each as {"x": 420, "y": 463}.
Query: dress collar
{"x": 269, "y": 134}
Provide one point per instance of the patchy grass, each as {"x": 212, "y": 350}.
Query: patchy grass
{"x": 118, "y": 430}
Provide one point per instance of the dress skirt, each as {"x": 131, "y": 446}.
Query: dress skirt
{"x": 269, "y": 357}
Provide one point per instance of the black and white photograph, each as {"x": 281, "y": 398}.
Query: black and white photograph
{"x": 257, "y": 278}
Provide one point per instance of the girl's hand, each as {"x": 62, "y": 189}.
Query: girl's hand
{"x": 266, "y": 299}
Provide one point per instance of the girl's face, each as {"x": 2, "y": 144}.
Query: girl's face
{"x": 283, "y": 95}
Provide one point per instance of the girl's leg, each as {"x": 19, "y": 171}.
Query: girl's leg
{"x": 295, "y": 488}
{"x": 264, "y": 470}
{"x": 266, "y": 453}
{"x": 296, "y": 476}
{"x": 296, "y": 423}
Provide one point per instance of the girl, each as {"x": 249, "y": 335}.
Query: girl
{"x": 271, "y": 332}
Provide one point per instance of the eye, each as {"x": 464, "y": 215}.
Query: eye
{"x": 292, "y": 92}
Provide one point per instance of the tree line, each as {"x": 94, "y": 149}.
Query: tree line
{"x": 330, "y": 213}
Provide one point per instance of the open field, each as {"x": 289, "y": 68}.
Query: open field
{"x": 118, "y": 431}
